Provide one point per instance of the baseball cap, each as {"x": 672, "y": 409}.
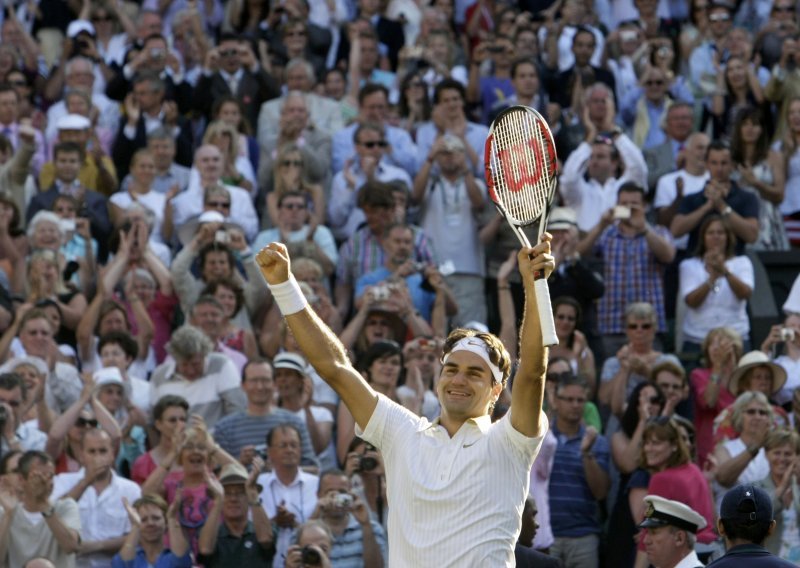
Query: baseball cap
{"x": 562, "y": 218}
{"x": 662, "y": 512}
{"x": 73, "y": 122}
{"x": 108, "y": 376}
{"x": 79, "y": 26}
{"x": 233, "y": 473}
{"x": 746, "y": 504}
{"x": 291, "y": 361}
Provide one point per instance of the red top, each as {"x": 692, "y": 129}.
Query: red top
{"x": 703, "y": 415}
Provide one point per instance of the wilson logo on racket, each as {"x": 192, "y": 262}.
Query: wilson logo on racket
{"x": 519, "y": 172}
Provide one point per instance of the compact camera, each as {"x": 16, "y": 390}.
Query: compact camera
{"x": 787, "y": 334}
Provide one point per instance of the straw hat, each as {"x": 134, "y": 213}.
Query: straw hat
{"x": 757, "y": 359}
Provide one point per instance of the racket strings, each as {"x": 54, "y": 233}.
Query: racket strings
{"x": 514, "y": 137}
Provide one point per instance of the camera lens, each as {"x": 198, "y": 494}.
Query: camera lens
{"x": 368, "y": 464}
{"x": 311, "y": 556}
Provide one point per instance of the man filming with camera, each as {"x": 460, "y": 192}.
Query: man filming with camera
{"x": 357, "y": 539}
{"x": 312, "y": 547}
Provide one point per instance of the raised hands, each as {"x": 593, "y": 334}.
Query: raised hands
{"x": 273, "y": 261}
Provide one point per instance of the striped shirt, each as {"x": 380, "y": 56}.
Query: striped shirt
{"x": 348, "y": 548}
{"x": 573, "y": 508}
{"x": 238, "y": 430}
{"x": 454, "y": 501}
{"x": 363, "y": 253}
{"x": 632, "y": 274}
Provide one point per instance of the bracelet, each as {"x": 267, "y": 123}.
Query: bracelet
{"x": 49, "y": 512}
{"x": 289, "y": 296}
{"x": 753, "y": 450}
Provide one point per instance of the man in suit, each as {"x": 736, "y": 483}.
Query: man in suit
{"x": 67, "y": 160}
{"x": 153, "y": 57}
{"x": 524, "y": 553}
{"x": 324, "y": 113}
{"x": 582, "y": 73}
{"x": 232, "y": 68}
{"x": 146, "y": 110}
{"x": 669, "y": 155}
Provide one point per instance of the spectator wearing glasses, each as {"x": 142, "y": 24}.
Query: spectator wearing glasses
{"x": 369, "y": 164}
{"x": 209, "y": 167}
{"x": 232, "y": 68}
{"x": 293, "y": 227}
{"x": 289, "y": 494}
{"x": 643, "y": 110}
{"x": 292, "y": 169}
{"x": 18, "y": 434}
{"x": 373, "y": 104}
{"x": 743, "y": 460}
{"x": 579, "y": 479}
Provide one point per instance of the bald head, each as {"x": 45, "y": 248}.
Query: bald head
{"x": 39, "y": 563}
{"x": 208, "y": 161}
{"x": 696, "y": 146}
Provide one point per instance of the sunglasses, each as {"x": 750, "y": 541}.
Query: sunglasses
{"x": 293, "y": 206}
{"x": 783, "y": 8}
{"x": 654, "y": 83}
{"x": 756, "y": 412}
{"x": 556, "y": 377}
{"x": 645, "y": 326}
{"x": 18, "y": 83}
{"x": 295, "y": 163}
{"x": 572, "y": 399}
{"x": 83, "y": 423}
{"x": 219, "y": 204}
{"x": 373, "y": 144}
{"x": 12, "y": 403}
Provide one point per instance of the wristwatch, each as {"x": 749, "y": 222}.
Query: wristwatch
{"x": 256, "y": 503}
{"x": 727, "y": 211}
{"x": 49, "y": 512}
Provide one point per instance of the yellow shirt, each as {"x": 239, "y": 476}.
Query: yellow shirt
{"x": 89, "y": 176}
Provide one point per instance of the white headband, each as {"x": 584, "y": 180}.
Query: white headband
{"x": 479, "y": 348}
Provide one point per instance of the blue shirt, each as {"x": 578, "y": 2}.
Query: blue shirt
{"x": 573, "y": 508}
{"x": 165, "y": 560}
{"x": 402, "y": 151}
{"x": 421, "y": 298}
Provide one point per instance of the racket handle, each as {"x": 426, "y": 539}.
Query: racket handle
{"x": 546, "y": 321}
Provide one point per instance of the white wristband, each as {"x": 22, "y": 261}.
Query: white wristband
{"x": 289, "y": 296}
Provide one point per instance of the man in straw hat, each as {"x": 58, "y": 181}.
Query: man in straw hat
{"x": 671, "y": 533}
{"x": 461, "y": 466}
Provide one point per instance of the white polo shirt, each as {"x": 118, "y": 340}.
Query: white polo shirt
{"x": 102, "y": 516}
{"x": 454, "y": 501}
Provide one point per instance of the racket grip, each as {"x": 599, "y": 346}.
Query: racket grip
{"x": 546, "y": 321}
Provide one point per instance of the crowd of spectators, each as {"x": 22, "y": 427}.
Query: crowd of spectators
{"x": 155, "y": 410}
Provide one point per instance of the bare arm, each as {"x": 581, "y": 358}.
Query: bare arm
{"x": 325, "y": 352}
{"x": 730, "y": 468}
{"x": 626, "y": 452}
{"x": 684, "y": 223}
{"x": 528, "y": 394}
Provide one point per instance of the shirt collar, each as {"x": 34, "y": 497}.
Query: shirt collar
{"x": 481, "y": 422}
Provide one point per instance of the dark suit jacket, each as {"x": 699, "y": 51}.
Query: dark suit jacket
{"x": 123, "y": 148}
{"x": 530, "y": 558}
{"x": 119, "y": 87}
{"x": 560, "y": 89}
{"x": 96, "y": 209}
{"x": 390, "y": 33}
{"x": 253, "y": 90}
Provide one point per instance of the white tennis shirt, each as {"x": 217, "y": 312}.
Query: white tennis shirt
{"x": 452, "y": 501}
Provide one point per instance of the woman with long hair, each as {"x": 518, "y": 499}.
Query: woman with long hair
{"x": 290, "y": 175}
{"x": 415, "y": 106}
{"x": 789, "y": 146}
{"x": 710, "y": 385}
{"x": 228, "y": 109}
{"x": 737, "y": 88}
{"x": 572, "y": 343}
{"x": 645, "y": 402}
{"x": 715, "y": 284}
{"x": 237, "y": 170}
{"x": 762, "y": 171}
{"x": 673, "y": 476}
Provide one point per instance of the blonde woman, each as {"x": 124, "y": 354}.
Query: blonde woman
{"x": 290, "y": 174}
{"x": 237, "y": 169}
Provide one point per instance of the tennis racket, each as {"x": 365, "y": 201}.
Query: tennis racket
{"x": 521, "y": 166}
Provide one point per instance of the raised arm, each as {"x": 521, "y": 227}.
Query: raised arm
{"x": 319, "y": 344}
{"x": 528, "y": 393}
